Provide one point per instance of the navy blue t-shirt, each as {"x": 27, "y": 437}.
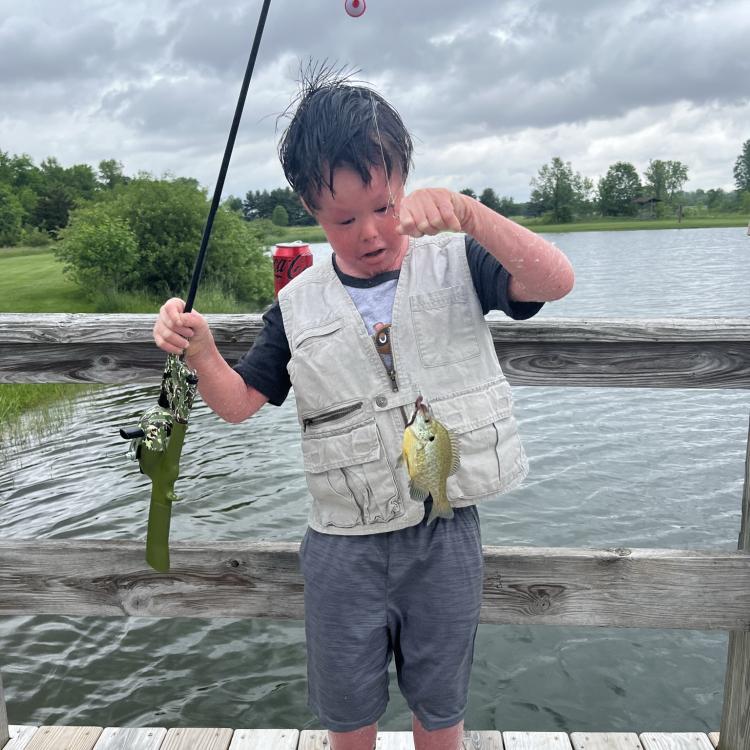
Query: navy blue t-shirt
{"x": 264, "y": 366}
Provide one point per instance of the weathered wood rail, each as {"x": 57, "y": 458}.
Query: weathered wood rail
{"x": 669, "y": 353}
{"x": 609, "y": 587}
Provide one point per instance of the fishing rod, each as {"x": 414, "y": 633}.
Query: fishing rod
{"x": 158, "y": 440}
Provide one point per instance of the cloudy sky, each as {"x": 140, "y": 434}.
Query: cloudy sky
{"x": 491, "y": 90}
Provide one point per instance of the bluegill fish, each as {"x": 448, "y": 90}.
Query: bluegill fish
{"x": 430, "y": 452}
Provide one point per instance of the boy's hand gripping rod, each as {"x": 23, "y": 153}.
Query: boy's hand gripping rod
{"x": 157, "y": 441}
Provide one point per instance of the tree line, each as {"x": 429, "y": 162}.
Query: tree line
{"x": 560, "y": 195}
{"x": 36, "y": 201}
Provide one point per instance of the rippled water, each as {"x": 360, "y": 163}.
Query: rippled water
{"x": 609, "y": 467}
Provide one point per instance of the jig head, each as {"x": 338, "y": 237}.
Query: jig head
{"x": 355, "y": 8}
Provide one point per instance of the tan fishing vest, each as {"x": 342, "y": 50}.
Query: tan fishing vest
{"x": 352, "y": 414}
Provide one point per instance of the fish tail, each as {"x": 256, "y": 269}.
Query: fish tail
{"x": 441, "y": 507}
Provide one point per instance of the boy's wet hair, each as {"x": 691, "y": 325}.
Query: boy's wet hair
{"x": 339, "y": 123}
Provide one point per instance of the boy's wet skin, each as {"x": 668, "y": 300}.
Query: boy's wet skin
{"x": 360, "y": 222}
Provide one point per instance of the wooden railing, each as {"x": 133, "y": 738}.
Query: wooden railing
{"x": 654, "y": 588}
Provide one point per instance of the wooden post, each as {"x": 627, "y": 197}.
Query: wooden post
{"x": 4, "y": 732}
{"x": 735, "y": 719}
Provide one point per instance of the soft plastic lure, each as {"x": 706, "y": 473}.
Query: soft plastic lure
{"x": 355, "y": 8}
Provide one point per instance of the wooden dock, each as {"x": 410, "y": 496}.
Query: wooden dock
{"x": 155, "y": 738}
{"x": 617, "y": 587}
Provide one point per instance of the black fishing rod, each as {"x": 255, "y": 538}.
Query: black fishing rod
{"x": 157, "y": 441}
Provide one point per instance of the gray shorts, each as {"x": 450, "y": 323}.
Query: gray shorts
{"x": 413, "y": 594}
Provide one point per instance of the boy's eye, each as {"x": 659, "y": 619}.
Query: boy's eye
{"x": 382, "y": 210}
{"x": 345, "y": 222}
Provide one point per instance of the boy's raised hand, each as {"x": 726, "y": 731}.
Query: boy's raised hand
{"x": 175, "y": 330}
{"x": 431, "y": 211}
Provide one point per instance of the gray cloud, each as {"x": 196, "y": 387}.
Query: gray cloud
{"x": 491, "y": 91}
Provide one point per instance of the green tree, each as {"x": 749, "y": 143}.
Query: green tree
{"x": 508, "y": 207}
{"x": 165, "y": 220}
{"x": 469, "y": 192}
{"x": 559, "y": 191}
{"x": 261, "y": 204}
{"x": 489, "y": 198}
{"x": 742, "y": 168}
{"x": 233, "y": 204}
{"x": 618, "y": 190}
{"x": 54, "y": 204}
{"x": 11, "y": 216}
{"x": 111, "y": 173}
{"x": 280, "y": 216}
{"x": 664, "y": 179}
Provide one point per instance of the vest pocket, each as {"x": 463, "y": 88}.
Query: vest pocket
{"x": 439, "y": 316}
{"x": 492, "y": 457}
{"x": 350, "y": 478}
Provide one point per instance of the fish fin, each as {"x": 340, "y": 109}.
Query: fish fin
{"x": 417, "y": 493}
{"x": 440, "y": 510}
{"x": 455, "y": 453}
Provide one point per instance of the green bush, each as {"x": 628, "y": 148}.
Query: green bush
{"x": 145, "y": 238}
{"x": 280, "y": 216}
{"x": 35, "y": 237}
{"x": 98, "y": 251}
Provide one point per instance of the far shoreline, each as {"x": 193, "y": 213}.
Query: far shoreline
{"x": 315, "y": 234}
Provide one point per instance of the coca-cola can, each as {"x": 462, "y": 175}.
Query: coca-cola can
{"x": 290, "y": 259}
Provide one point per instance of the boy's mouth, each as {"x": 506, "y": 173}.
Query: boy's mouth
{"x": 374, "y": 253}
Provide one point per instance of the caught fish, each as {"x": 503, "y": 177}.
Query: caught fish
{"x": 430, "y": 452}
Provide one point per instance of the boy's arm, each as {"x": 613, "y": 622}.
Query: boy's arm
{"x": 221, "y": 387}
{"x": 539, "y": 271}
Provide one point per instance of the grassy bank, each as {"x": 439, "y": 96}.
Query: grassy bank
{"x": 616, "y": 225}
{"x": 274, "y": 234}
{"x": 31, "y": 280}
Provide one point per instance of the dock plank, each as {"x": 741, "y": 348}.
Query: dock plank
{"x": 489, "y": 740}
{"x": 206, "y": 738}
{"x": 20, "y": 736}
{"x": 313, "y": 739}
{"x": 129, "y": 738}
{"x": 265, "y": 739}
{"x": 675, "y": 741}
{"x": 536, "y": 741}
{"x": 64, "y": 738}
{"x": 394, "y": 741}
{"x": 605, "y": 741}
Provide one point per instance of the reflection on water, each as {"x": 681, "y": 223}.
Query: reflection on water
{"x": 609, "y": 467}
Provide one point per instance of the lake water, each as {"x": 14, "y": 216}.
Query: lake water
{"x": 609, "y": 467}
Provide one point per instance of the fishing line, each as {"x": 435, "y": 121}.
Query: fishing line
{"x": 198, "y": 270}
{"x": 391, "y": 198}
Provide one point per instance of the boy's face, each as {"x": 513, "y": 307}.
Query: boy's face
{"x": 360, "y": 222}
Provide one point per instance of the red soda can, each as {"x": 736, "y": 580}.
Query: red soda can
{"x": 290, "y": 259}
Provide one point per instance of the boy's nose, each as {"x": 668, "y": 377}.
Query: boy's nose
{"x": 368, "y": 230}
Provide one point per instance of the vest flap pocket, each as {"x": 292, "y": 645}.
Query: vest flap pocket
{"x": 326, "y": 329}
{"x": 358, "y": 445}
{"x": 475, "y": 408}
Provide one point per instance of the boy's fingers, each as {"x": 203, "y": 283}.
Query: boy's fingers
{"x": 448, "y": 216}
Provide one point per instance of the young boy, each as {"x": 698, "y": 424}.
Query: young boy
{"x": 397, "y": 312}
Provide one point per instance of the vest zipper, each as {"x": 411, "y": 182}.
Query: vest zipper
{"x": 330, "y": 416}
{"x": 392, "y": 376}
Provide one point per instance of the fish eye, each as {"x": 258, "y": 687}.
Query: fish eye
{"x": 432, "y": 437}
